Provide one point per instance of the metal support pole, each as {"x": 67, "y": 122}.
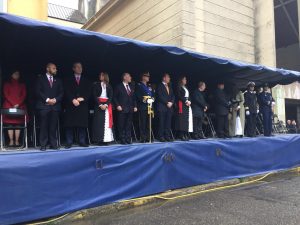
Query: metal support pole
{"x": 150, "y": 125}
{"x": 1, "y": 133}
{"x": 26, "y": 133}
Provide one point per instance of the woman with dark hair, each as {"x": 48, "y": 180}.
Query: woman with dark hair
{"x": 103, "y": 120}
{"x": 184, "y": 122}
{"x": 14, "y": 94}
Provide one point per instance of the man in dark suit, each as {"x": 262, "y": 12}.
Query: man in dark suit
{"x": 222, "y": 105}
{"x": 144, "y": 95}
{"x": 125, "y": 102}
{"x": 165, "y": 99}
{"x": 266, "y": 103}
{"x": 251, "y": 109}
{"x": 49, "y": 93}
{"x": 199, "y": 107}
{"x": 77, "y": 94}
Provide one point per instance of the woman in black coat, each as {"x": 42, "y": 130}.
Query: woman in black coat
{"x": 184, "y": 122}
{"x": 102, "y": 120}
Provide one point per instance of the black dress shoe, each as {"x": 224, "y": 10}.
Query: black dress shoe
{"x": 68, "y": 146}
{"x": 54, "y": 147}
{"x": 83, "y": 145}
{"x": 43, "y": 148}
{"x": 129, "y": 142}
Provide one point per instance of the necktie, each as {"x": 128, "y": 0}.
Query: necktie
{"x": 77, "y": 80}
{"x": 167, "y": 87}
{"x": 128, "y": 90}
{"x": 50, "y": 81}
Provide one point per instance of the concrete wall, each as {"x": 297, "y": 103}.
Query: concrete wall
{"x": 157, "y": 21}
{"x": 236, "y": 29}
{"x": 265, "y": 47}
{"x": 225, "y": 28}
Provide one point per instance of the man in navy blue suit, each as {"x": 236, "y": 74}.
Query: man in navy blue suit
{"x": 49, "y": 93}
{"x": 266, "y": 103}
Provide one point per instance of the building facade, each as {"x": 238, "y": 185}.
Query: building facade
{"x": 243, "y": 30}
{"x": 44, "y": 10}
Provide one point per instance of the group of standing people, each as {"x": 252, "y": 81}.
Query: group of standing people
{"x": 75, "y": 92}
{"x": 233, "y": 112}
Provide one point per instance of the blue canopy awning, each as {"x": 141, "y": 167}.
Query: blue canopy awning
{"x": 29, "y": 44}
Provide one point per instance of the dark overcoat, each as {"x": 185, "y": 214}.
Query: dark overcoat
{"x": 76, "y": 116}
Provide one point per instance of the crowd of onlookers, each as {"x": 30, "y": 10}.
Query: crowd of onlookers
{"x": 291, "y": 126}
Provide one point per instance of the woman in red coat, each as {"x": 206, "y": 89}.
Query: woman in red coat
{"x": 14, "y": 93}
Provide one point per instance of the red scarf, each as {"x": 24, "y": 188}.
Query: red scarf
{"x": 180, "y": 107}
{"x": 110, "y": 114}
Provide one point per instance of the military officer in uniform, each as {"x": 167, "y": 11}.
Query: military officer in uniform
{"x": 144, "y": 96}
{"x": 251, "y": 109}
{"x": 266, "y": 103}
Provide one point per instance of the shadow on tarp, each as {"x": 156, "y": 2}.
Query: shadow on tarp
{"x": 37, "y": 185}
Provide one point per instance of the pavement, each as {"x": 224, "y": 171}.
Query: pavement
{"x": 274, "y": 200}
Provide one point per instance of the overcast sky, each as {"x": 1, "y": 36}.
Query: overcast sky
{"x": 67, "y": 3}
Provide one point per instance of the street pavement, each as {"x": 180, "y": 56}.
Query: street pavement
{"x": 273, "y": 201}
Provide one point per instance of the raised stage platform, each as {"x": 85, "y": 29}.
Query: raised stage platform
{"x": 35, "y": 185}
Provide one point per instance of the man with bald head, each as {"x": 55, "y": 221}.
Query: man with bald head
{"x": 49, "y": 94}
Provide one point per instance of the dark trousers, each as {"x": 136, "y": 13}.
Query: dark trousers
{"x": 251, "y": 124}
{"x": 48, "y": 120}
{"x": 70, "y": 135}
{"x": 124, "y": 126}
{"x": 144, "y": 124}
{"x": 222, "y": 126}
{"x": 267, "y": 121}
{"x": 164, "y": 124}
{"x": 197, "y": 126}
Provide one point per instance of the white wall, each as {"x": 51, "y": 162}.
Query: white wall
{"x": 3, "y": 5}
